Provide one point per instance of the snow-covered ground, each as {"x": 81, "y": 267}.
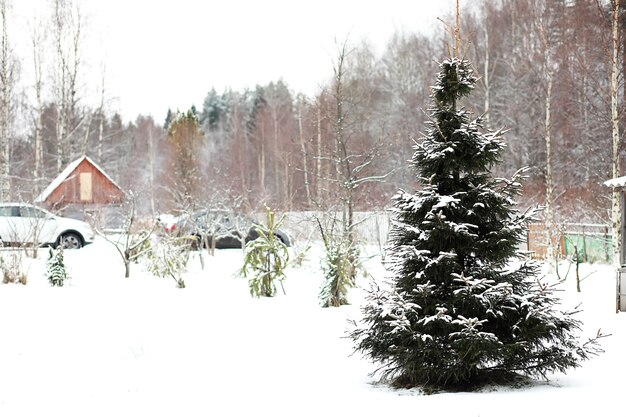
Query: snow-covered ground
{"x": 104, "y": 345}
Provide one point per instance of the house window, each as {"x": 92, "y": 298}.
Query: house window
{"x": 85, "y": 186}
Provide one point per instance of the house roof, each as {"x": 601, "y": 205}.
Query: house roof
{"x": 619, "y": 182}
{"x": 66, "y": 173}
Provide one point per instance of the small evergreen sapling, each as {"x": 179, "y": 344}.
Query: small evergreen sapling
{"x": 339, "y": 269}
{"x": 458, "y": 312}
{"x": 55, "y": 271}
{"x": 266, "y": 259}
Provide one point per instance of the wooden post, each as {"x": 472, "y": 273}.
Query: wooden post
{"x": 622, "y": 235}
{"x": 621, "y": 290}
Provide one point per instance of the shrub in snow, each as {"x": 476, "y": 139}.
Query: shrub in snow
{"x": 11, "y": 268}
{"x": 168, "y": 258}
{"x": 457, "y": 313}
{"x": 338, "y": 267}
{"x": 301, "y": 254}
{"x": 130, "y": 244}
{"x": 55, "y": 268}
{"x": 266, "y": 258}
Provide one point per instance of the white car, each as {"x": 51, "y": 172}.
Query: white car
{"x": 22, "y": 223}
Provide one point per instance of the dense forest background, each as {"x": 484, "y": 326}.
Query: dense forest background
{"x": 545, "y": 73}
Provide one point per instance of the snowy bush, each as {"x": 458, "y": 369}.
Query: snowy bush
{"x": 301, "y": 254}
{"x": 12, "y": 268}
{"x": 339, "y": 265}
{"x": 266, "y": 258}
{"x": 168, "y": 258}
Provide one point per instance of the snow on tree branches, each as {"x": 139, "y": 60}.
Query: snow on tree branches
{"x": 463, "y": 307}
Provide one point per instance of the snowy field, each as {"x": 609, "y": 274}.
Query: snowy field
{"x": 104, "y": 345}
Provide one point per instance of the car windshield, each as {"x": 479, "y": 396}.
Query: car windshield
{"x": 8, "y": 211}
{"x": 30, "y": 211}
{"x": 220, "y": 220}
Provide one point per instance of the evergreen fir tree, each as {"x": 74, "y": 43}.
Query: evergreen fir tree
{"x": 168, "y": 119}
{"x": 55, "y": 271}
{"x": 463, "y": 308}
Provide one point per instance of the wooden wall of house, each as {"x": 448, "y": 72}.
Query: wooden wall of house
{"x": 102, "y": 190}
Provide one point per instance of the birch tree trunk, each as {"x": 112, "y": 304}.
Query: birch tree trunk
{"x": 37, "y": 45}
{"x": 615, "y": 196}
{"x": 152, "y": 162}
{"x": 486, "y": 78}
{"x": 101, "y": 114}
{"x": 548, "y": 138}
{"x": 5, "y": 91}
{"x": 277, "y": 166}
{"x": 60, "y": 83}
{"x": 68, "y": 37}
{"x": 549, "y": 71}
{"x": 318, "y": 170}
{"x": 72, "y": 93}
{"x": 305, "y": 168}
{"x": 261, "y": 163}
{"x": 342, "y": 159}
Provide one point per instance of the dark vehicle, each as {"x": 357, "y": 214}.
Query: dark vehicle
{"x": 227, "y": 228}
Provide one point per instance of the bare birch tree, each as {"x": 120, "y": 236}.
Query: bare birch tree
{"x": 37, "y": 43}
{"x": 305, "y": 168}
{"x": 67, "y": 23}
{"x": 101, "y": 117}
{"x": 543, "y": 28}
{"x": 7, "y": 82}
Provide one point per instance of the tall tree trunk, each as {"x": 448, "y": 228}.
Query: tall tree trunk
{"x": 61, "y": 82}
{"x": 549, "y": 187}
{"x": 287, "y": 184}
{"x": 5, "y": 88}
{"x": 486, "y": 78}
{"x": 101, "y": 114}
{"x": 343, "y": 162}
{"x": 305, "y": 168}
{"x": 152, "y": 162}
{"x": 67, "y": 32}
{"x": 318, "y": 170}
{"x": 37, "y": 45}
{"x": 72, "y": 93}
{"x": 277, "y": 166}
{"x": 549, "y": 71}
{"x": 262, "y": 165}
{"x": 615, "y": 196}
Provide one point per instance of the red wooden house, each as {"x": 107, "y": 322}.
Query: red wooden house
{"x": 83, "y": 189}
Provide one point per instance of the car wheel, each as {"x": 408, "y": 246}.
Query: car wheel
{"x": 70, "y": 241}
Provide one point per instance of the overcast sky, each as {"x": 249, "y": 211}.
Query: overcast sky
{"x": 168, "y": 54}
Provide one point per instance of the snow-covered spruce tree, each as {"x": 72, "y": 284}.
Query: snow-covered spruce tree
{"x": 462, "y": 308}
{"x": 55, "y": 268}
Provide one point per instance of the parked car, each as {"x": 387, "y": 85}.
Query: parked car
{"x": 226, "y": 227}
{"x": 22, "y": 223}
